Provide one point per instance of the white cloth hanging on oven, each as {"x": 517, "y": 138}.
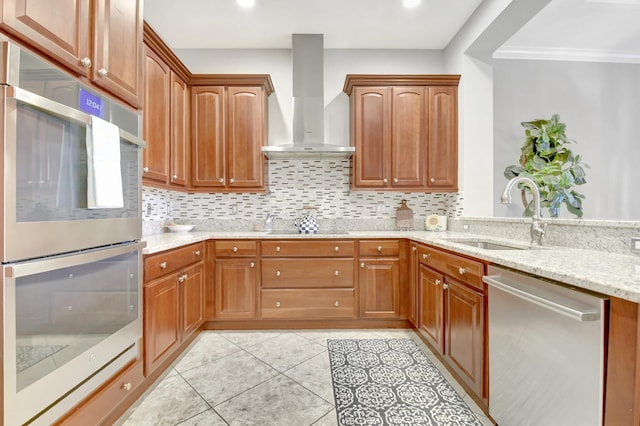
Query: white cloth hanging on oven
{"x": 104, "y": 175}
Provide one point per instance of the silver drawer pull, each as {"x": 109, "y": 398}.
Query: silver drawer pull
{"x": 277, "y": 273}
{"x": 197, "y": 252}
{"x": 277, "y": 248}
{"x": 379, "y": 249}
{"x": 337, "y": 304}
{"x": 462, "y": 271}
{"x": 231, "y": 180}
{"x": 252, "y": 265}
{"x": 127, "y": 386}
{"x": 145, "y": 169}
{"x": 432, "y": 180}
{"x": 86, "y": 62}
{"x": 384, "y": 180}
{"x": 445, "y": 286}
{"x": 163, "y": 265}
{"x": 395, "y": 180}
{"x": 362, "y": 265}
{"x": 336, "y": 249}
{"x": 234, "y": 249}
{"x": 437, "y": 282}
{"x": 221, "y": 180}
{"x": 102, "y": 72}
{"x": 414, "y": 248}
{"x": 425, "y": 255}
{"x": 337, "y": 273}
{"x": 174, "y": 177}
{"x": 277, "y": 304}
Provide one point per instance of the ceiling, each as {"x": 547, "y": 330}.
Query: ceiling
{"x": 353, "y": 24}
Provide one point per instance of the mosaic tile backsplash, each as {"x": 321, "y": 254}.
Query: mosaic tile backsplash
{"x": 292, "y": 185}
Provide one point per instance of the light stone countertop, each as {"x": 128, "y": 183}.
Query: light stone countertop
{"x": 608, "y": 273}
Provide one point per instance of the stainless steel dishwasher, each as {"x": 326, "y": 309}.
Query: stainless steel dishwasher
{"x": 546, "y": 351}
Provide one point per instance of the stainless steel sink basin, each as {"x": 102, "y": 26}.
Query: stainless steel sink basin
{"x": 490, "y": 245}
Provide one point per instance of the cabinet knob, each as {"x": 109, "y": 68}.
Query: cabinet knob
{"x": 337, "y": 304}
{"x": 362, "y": 265}
{"x": 432, "y": 180}
{"x": 462, "y": 271}
{"x": 197, "y": 252}
{"x": 437, "y": 282}
{"x": 221, "y": 180}
{"x": 234, "y": 249}
{"x": 127, "y": 386}
{"x": 182, "y": 278}
{"x": 336, "y": 249}
{"x": 252, "y": 265}
{"x": 102, "y": 72}
{"x": 425, "y": 255}
{"x": 445, "y": 286}
{"x": 379, "y": 249}
{"x": 384, "y": 180}
{"x": 337, "y": 273}
{"x": 278, "y": 248}
{"x": 414, "y": 248}
{"x": 86, "y": 62}
{"x": 145, "y": 169}
{"x": 395, "y": 180}
{"x": 174, "y": 177}
{"x": 277, "y": 304}
{"x": 231, "y": 180}
{"x": 277, "y": 273}
{"x": 163, "y": 265}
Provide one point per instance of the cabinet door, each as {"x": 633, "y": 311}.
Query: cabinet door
{"x": 408, "y": 139}
{"x": 192, "y": 299}
{"x": 60, "y": 28}
{"x": 431, "y": 307}
{"x": 208, "y": 165}
{"x": 161, "y": 322}
{"x": 442, "y": 168}
{"x": 235, "y": 289}
{"x": 413, "y": 286}
{"x": 156, "y": 118}
{"x": 179, "y": 130}
{"x": 245, "y": 136}
{"x": 371, "y": 133}
{"x": 379, "y": 286}
{"x": 117, "y": 64}
{"x": 464, "y": 335}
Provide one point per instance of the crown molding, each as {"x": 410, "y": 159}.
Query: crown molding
{"x": 567, "y": 54}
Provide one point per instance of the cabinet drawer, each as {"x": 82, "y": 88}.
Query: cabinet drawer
{"x": 157, "y": 265}
{"x": 306, "y": 273}
{"x": 379, "y": 248}
{"x": 333, "y": 248}
{"x": 233, "y": 248}
{"x": 465, "y": 270}
{"x": 308, "y": 304}
{"x": 97, "y": 407}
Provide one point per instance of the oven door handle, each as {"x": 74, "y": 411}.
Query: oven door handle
{"x": 62, "y": 111}
{"x": 37, "y": 266}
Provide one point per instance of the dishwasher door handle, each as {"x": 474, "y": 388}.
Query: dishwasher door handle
{"x": 583, "y": 315}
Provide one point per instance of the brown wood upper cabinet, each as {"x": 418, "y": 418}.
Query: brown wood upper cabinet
{"x": 64, "y": 31}
{"x": 229, "y": 127}
{"x": 404, "y": 129}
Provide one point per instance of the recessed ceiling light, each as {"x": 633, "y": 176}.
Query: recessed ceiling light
{"x": 410, "y": 3}
{"x": 247, "y": 4}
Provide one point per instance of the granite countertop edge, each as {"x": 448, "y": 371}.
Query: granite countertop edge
{"x": 612, "y": 274}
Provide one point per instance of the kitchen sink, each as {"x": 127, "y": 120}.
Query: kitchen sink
{"x": 490, "y": 245}
{"x": 296, "y": 232}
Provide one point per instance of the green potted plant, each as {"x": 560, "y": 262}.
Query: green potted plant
{"x": 546, "y": 159}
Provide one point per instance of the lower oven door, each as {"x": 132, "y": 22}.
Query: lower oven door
{"x": 66, "y": 318}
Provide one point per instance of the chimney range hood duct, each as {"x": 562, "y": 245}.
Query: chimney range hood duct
{"x": 307, "y": 55}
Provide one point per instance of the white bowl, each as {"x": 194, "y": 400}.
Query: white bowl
{"x": 180, "y": 228}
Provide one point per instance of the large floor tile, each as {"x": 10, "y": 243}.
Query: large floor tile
{"x": 285, "y": 351}
{"x": 227, "y": 377}
{"x": 171, "y": 402}
{"x": 315, "y": 375}
{"x": 278, "y": 401}
{"x": 208, "y": 347}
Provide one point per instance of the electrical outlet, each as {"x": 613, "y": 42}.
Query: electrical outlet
{"x": 465, "y": 227}
{"x": 635, "y": 243}
{"x": 234, "y": 209}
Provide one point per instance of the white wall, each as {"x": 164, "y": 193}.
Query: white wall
{"x": 337, "y": 64}
{"x": 599, "y": 103}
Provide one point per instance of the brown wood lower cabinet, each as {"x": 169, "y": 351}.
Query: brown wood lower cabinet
{"x": 452, "y": 313}
{"x": 308, "y": 304}
{"x": 379, "y": 287}
{"x": 173, "y": 303}
{"x": 235, "y": 283}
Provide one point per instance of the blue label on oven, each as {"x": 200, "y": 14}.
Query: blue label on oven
{"x": 92, "y": 104}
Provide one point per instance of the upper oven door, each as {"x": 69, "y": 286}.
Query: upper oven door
{"x": 44, "y": 114}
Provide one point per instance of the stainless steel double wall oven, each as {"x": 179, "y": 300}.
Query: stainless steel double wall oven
{"x": 71, "y": 275}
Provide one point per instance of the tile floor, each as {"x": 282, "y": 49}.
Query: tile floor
{"x": 256, "y": 378}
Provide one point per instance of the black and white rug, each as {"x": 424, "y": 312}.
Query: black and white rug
{"x": 28, "y": 355}
{"x": 392, "y": 382}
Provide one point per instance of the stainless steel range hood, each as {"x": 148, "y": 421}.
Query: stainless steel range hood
{"x": 307, "y": 53}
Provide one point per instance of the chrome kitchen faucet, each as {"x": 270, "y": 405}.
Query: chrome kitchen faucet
{"x": 538, "y": 226}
